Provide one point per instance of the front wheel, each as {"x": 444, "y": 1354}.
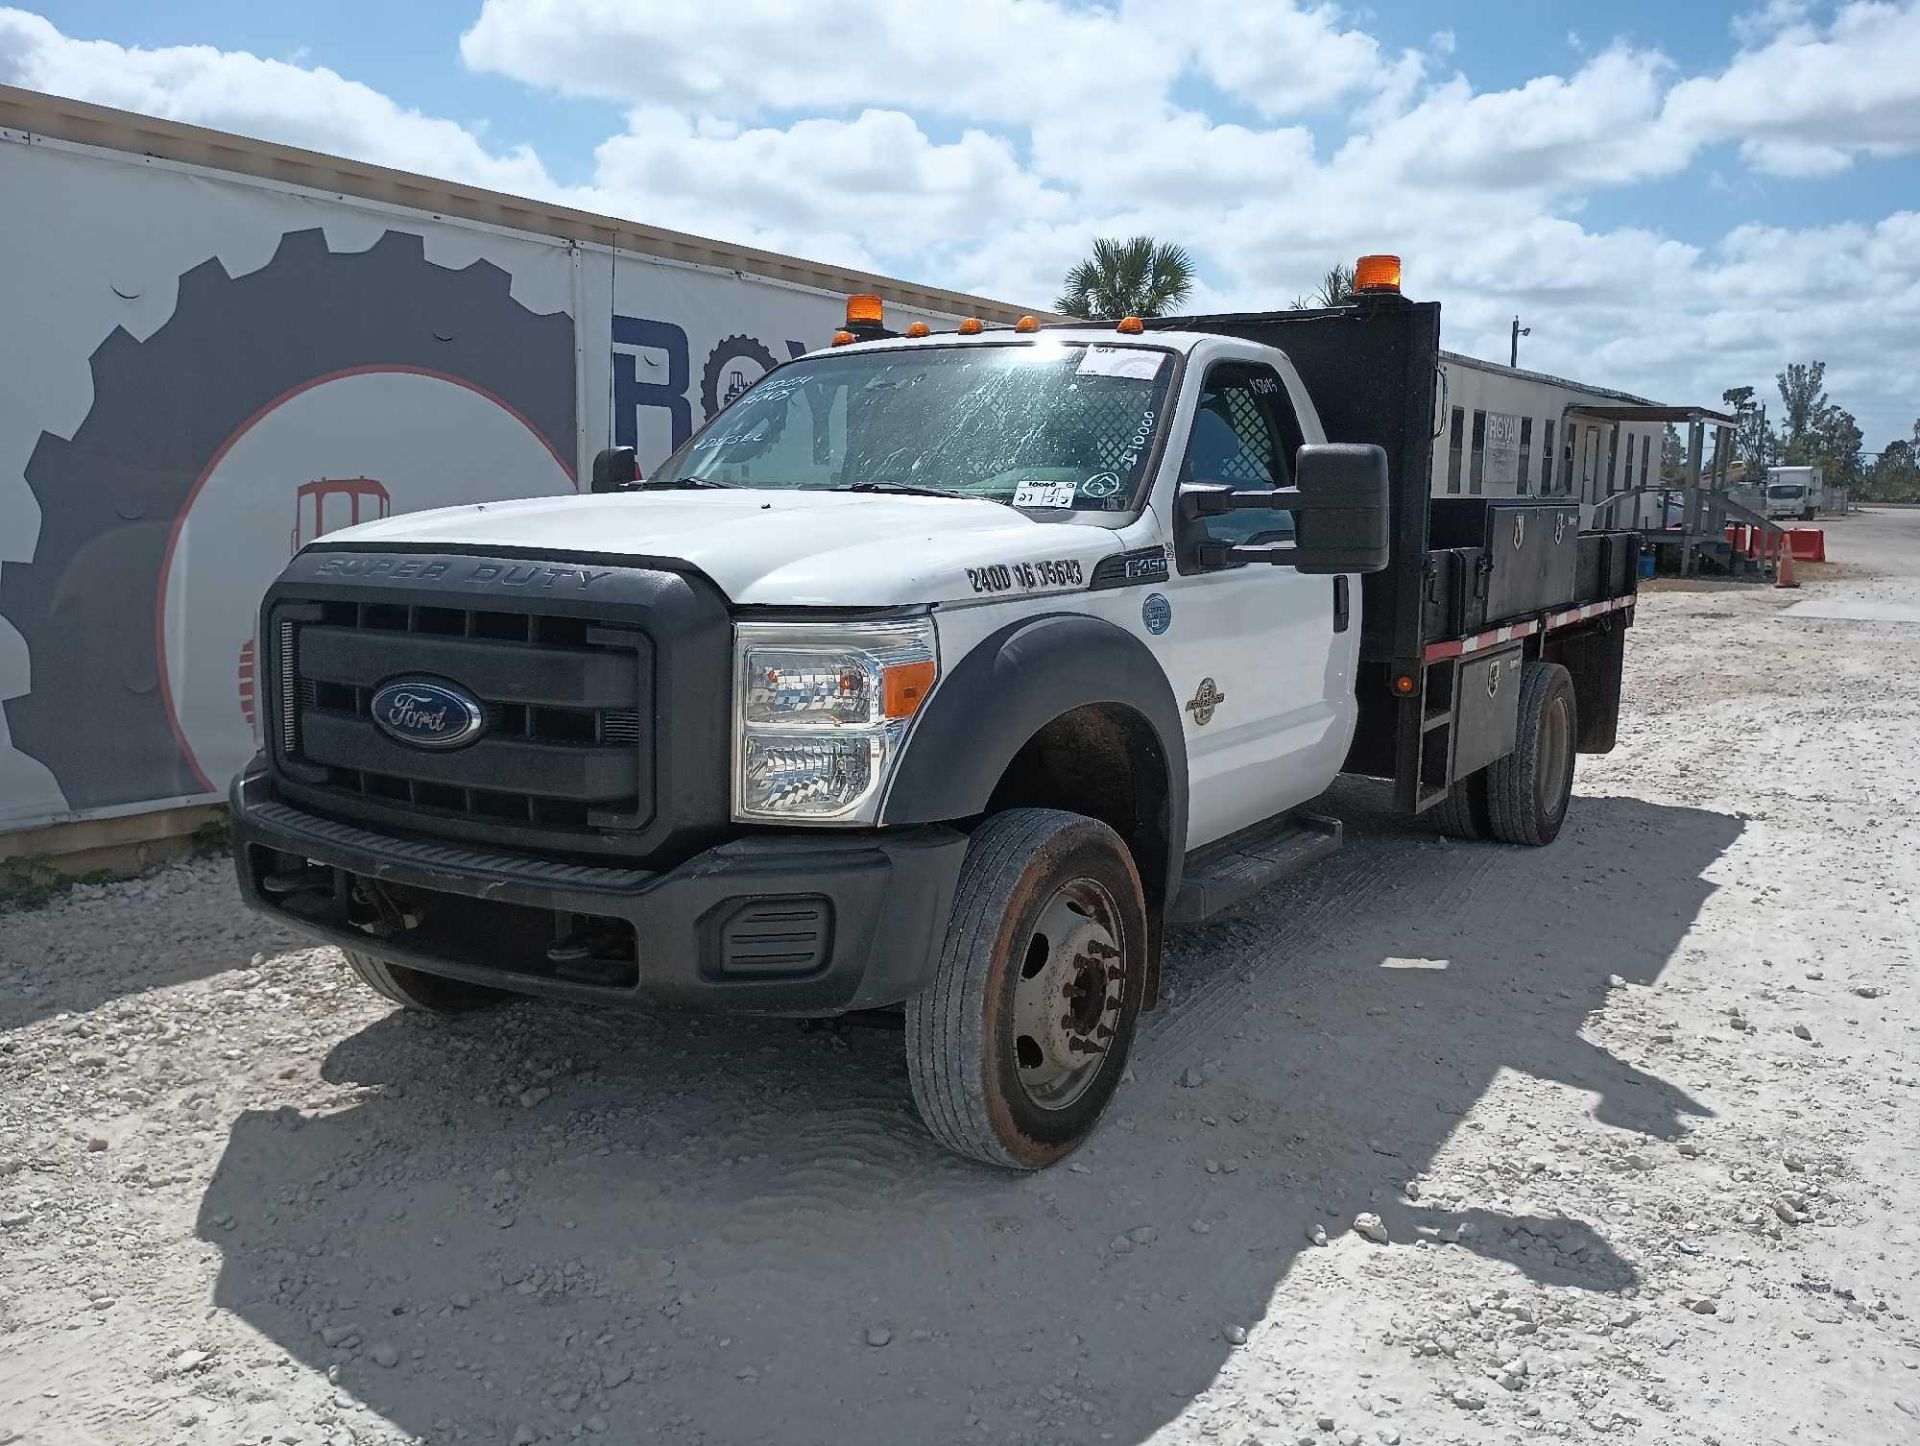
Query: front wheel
{"x": 1529, "y": 789}
{"x": 1019, "y": 1039}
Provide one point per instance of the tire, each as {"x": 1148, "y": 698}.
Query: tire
{"x": 993, "y": 1076}
{"x": 1528, "y": 790}
{"x": 416, "y": 989}
{"x": 162, "y": 410}
{"x": 1463, "y": 812}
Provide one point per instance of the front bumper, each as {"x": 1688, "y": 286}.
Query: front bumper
{"x": 767, "y": 924}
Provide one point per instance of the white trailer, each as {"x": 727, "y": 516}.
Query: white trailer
{"x": 237, "y": 346}
{"x": 1504, "y": 432}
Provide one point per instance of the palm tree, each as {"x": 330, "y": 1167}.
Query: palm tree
{"x": 1336, "y": 289}
{"x": 1135, "y": 277}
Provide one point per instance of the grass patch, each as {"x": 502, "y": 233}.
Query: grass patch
{"x": 214, "y": 838}
{"x": 30, "y": 881}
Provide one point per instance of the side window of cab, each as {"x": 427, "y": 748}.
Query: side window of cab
{"x": 1244, "y": 434}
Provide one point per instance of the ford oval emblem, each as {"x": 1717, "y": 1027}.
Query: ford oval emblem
{"x": 427, "y": 714}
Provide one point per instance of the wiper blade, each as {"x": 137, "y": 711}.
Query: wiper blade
{"x": 673, "y": 484}
{"x": 906, "y": 489}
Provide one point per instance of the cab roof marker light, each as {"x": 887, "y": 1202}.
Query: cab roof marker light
{"x": 919, "y": 328}
{"x": 972, "y": 326}
{"x": 1130, "y": 326}
{"x": 1027, "y": 323}
{"x": 842, "y": 338}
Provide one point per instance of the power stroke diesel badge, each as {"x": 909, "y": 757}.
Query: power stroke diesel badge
{"x": 427, "y": 714}
{"x": 1202, "y": 703}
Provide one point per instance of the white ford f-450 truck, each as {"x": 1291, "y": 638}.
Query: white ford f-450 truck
{"x": 936, "y": 675}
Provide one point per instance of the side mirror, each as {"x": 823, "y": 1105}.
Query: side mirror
{"x": 614, "y": 470}
{"x": 1341, "y": 521}
{"x": 1340, "y": 512}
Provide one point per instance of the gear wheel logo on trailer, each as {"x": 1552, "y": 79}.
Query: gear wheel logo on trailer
{"x": 165, "y": 514}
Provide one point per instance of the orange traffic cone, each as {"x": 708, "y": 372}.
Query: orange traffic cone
{"x": 1783, "y": 569}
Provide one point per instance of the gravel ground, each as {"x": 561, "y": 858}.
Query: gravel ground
{"x": 1441, "y": 1143}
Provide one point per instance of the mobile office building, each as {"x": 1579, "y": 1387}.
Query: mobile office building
{"x": 1504, "y": 432}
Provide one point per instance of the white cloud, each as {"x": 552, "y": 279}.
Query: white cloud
{"x": 1769, "y": 19}
{"x": 988, "y": 60}
{"x": 271, "y": 99}
{"x": 992, "y": 60}
{"x": 1280, "y": 59}
{"x": 1600, "y": 126}
{"x": 1805, "y": 103}
{"x": 872, "y": 189}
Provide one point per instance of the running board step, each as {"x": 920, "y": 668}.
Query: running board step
{"x": 1239, "y": 866}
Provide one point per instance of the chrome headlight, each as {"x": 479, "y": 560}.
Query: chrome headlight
{"x": 820, "y": 711}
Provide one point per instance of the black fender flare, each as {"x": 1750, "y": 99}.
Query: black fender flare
{"x": 1011, "y": 685}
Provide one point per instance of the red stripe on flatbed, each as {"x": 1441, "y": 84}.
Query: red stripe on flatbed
{"x": 1493, "y": 637}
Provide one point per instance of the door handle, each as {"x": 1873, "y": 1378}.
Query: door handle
{"x": 1342, "y": 612}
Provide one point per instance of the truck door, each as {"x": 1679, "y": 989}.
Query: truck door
{"x": 1255, "y": 652}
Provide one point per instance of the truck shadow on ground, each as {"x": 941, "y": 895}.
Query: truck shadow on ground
{"x": 736, "y": 1231}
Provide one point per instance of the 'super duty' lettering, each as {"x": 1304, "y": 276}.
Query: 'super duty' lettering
{"x": 503, "y": 574}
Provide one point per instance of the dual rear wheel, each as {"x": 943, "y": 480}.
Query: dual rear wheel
{"x": 1523, "y": 797}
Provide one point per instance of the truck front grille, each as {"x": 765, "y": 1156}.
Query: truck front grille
{"x": 565, "y": 750}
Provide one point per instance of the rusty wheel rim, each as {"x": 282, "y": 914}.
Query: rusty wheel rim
{"x": 1067, "y": 994}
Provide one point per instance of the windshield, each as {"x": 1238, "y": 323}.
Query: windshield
{"x": 1050, "y": 424}
{"x": 1786, "y": 489}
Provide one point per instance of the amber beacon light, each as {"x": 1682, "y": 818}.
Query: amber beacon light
{"x": 1377, "y": 275}
{"x": 866, "y": 309}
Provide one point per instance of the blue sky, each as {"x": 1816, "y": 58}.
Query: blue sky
{"x": 1679, "y": 197}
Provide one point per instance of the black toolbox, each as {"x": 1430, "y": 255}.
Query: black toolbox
{"x": 1609, "y": 566}
{"x": 1453, "y": 600}
{"x": 1529, "y": 554}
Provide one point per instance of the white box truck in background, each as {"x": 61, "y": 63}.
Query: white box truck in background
{"x": 1795, "y": 492}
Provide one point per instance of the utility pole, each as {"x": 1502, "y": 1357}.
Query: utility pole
{"x": 1513, "y": 351}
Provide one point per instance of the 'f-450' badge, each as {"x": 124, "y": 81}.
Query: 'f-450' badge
{"x": 1202, "y": 703}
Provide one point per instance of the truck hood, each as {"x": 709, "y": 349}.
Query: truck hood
{"x": 824, "y": 549}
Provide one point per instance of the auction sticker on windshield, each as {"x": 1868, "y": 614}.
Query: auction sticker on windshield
{"x": 1121, "y": 361}
{"x": 1043, "y": 494}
